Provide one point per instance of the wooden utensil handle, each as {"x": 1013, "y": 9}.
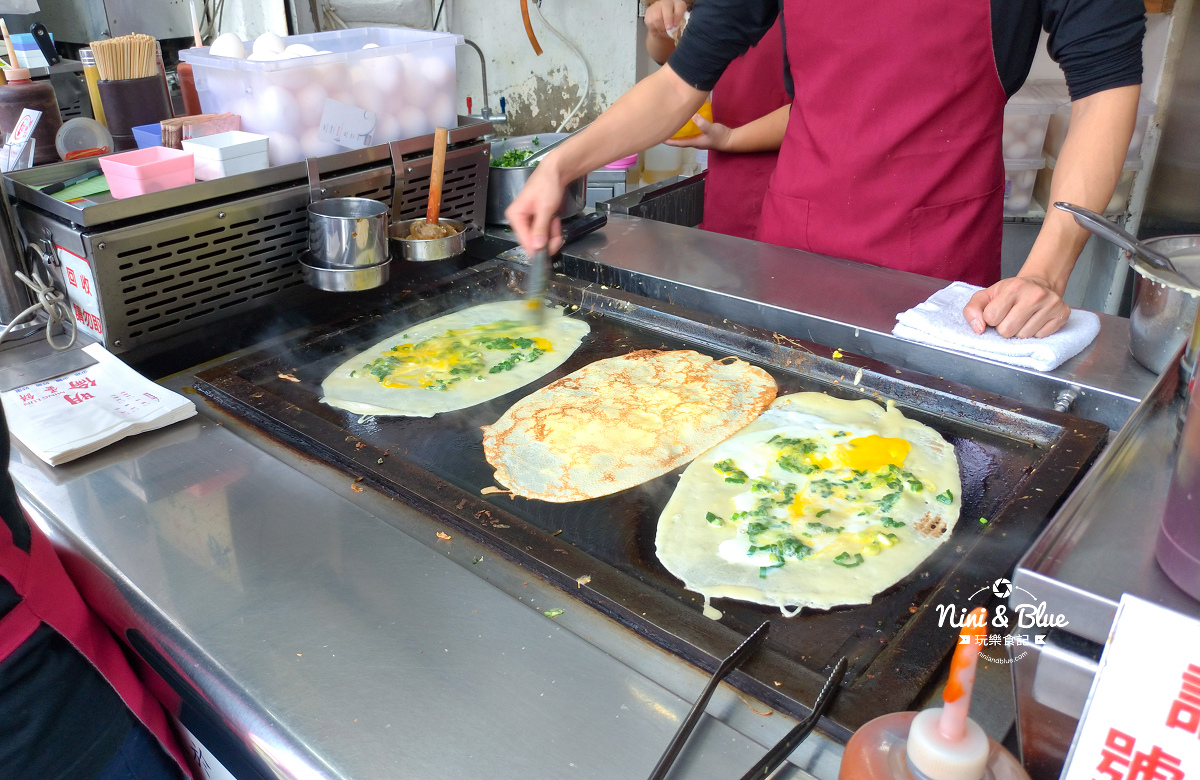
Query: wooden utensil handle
{"x": 436, "y": 173}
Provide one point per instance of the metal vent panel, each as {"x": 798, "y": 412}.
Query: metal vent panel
{"x": 171, "y": 275}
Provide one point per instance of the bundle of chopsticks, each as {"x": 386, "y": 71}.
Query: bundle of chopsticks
{"x": 126, "y": 57}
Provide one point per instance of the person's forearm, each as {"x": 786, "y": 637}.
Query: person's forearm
{"x": 646, "y": 115}
{"x": 764, "y": 134}
{"x": 1086, "y": 173}
{"x": 659, "y": 48}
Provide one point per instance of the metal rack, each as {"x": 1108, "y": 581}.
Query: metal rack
{"x": 162, "y": 264}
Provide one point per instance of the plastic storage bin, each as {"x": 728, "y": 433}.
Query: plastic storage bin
{"x": 227, "y": 154}
{"x": 1026, "y": 116}
{"x": 406, "y": 81}
{"x": 143, "y": 171}
{"x": 1061, "y": 122}
{"x": 1019, "y": 177}
{"x": 1120, "y": 198}
{"x": 146, "y": 136}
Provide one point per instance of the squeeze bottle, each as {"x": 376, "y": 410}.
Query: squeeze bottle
{"x": 940, "y": 743}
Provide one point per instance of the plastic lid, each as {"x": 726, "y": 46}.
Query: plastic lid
{"x": 1131, "y": 163}
{"x": 939, "y": 758}
{"x": 1025, "y": 164}
{"x": 1037, "y": 97}
{"x": 80, "y": 134}
{"x": 623, "y": 163}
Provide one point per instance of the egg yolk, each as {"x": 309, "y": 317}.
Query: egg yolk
{"x": 796, "y": 508}
{"x": 874, "y": 452}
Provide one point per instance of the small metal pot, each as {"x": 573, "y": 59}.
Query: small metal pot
{"x": 348, "y": 232}
{"x": 1164, "y": 312}
{"x": 427, "y": 249}
{"x": 504, "y": 184}
{"x": 342, "y": 278}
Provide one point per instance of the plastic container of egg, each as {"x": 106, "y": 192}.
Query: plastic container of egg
{"x": 1026, "y": 117}
{"x": 281, "y": 87}
{"x": 1019, "y": 177}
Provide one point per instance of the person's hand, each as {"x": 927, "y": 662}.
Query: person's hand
{"x": 664, "y": 17}
{"x": 533, "y": 215}
{"x": 1021, "y": 307}
{"x": 713, "y": 135}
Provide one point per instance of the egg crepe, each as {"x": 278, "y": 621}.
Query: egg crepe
{"x": 623, "y": 421}
{"x": 454, "y": 361}
{"x": 820, "y": 502}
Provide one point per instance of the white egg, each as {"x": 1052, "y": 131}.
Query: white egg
{"x": 387, "y": 129}
{"x": 413, "y": 122}
{"x": 365, "y": 90}
{"x": 375, "y": 46}
{"x": 434, "y": 69}
{"x": 1016, "y": 151}
{"x": 300, "y": 50}
{"x": 311, "y": 100}
{"x": 333, "y": 75}
{"x": 443, "y": 112}
{"x": 283, "y": 148}
{"x": 324, "y": 51}
{"x": 313, "y": 146}
{"x": 264, "y": 56}
{"x": 228, "y": 45}
{"x": 277, "y": 108}
{"x": 387, "y": 73}
{"x": 269, "y": 41}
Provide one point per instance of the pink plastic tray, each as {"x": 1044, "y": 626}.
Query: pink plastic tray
{"x": 147, "y": 170}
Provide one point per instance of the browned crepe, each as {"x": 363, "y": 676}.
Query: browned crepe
{"x": 623, "y": 421}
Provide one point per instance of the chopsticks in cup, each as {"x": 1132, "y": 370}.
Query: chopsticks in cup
{"x": 735, "y": 659}
{"x": 775, "y": 757}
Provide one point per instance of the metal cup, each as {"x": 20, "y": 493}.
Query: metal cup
{"x": 1164, "y": 315}
{"x": 348, "y": 232}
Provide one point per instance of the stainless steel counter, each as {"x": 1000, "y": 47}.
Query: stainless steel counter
{"x": 337, "y": 636}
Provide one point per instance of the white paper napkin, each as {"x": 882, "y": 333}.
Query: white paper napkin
{"x": 939, "y": 322}
{"x": 73, "y": 415}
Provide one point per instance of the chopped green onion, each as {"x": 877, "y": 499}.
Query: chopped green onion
{"x": 714, "y": 520}
{"x": 945, "y": 498}
{"x": 845, "y": 559}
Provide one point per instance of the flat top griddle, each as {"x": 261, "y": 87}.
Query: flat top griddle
{"x": 1015, "y": 466}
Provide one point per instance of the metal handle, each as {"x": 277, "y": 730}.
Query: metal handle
{"x": 397, "y": 156}
{"x": 1095, "y": 223}
{"x": 543, "y": 151}
{"x": 315, "y": 191}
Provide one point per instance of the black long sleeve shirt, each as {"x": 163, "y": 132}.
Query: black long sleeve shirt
{"x": 1098, "y": 43}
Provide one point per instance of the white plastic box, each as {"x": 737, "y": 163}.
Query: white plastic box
{"x": 405, "y": 78}
{"x": 1061, "y": 122}
{"x": 227, "y": 154}
{"x": 1116, "y": 205}
{"x": 1019, "y": 176}
{"x": 1026, "y": 116}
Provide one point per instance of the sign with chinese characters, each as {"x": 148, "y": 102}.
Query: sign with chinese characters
{"x": 1143, "y": 716}
{"x": 81, "y": 292}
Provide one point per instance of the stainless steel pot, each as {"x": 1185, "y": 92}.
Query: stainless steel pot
{"x": 425, "y": 250}
{"x": 505, "y": 183}
{"x": 342, "y": 278}
{"x": 348, "y": 232}
{"x": 1164, "y": 310}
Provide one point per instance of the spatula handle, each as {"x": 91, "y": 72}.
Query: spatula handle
{"x": 436, "y": 173}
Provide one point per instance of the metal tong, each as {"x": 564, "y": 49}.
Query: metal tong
{"x": 775, "y": 757}
{"x": 1095, "y": 223}
{"x": 744, "y": 651}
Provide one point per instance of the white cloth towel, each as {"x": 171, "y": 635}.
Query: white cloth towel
{"x": 940, "y": 323}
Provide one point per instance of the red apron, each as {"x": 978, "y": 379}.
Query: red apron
{"x": 49, "y": 596}
{"x": 751, "y": 87}
{"x": 892, "y": 154}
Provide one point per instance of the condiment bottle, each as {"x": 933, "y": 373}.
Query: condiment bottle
{"x": 20, "y": 93}
{"x": 940, "y": 743}
{"x": 91, "y": 74}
